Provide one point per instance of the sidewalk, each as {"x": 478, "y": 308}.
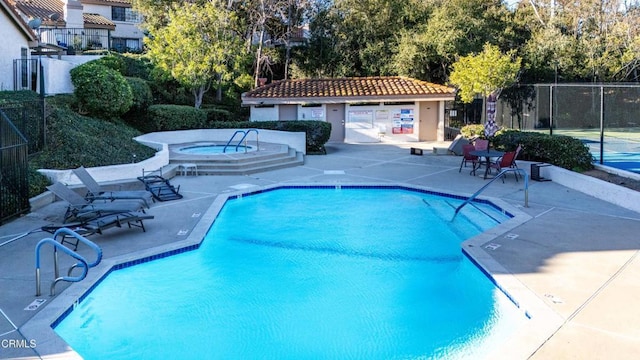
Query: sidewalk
{"x": 577, "y": 255}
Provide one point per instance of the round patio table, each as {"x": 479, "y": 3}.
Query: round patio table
{"x": 487, "y": 155}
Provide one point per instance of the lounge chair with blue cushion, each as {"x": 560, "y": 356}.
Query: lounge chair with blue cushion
{"x": 98, "y": 224}
{"x": 96, "y": 192}
{"x": 81, "y": 209}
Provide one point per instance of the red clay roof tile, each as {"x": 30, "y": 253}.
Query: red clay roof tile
{"x": 394, "y": 86}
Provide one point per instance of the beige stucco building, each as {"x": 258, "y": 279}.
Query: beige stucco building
{"x": 361, "y": 109}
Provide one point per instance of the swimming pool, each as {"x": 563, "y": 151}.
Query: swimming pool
{"x": 212, "y": 149}
{"x": 332, "y": 272}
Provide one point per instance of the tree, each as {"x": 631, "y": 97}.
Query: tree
{"x": 485, "y": 73}
{"x": 197, "y": 46}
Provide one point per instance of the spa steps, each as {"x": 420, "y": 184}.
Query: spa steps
{"x": 271, "y": 158}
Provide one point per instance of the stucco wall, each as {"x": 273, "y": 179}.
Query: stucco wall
{"x": 57, "y": 79}
{"x": 264, "y": 113}
{"x": 12, "y": 41}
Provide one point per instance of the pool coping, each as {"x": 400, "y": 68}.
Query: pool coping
{"x": 544, "y": 321}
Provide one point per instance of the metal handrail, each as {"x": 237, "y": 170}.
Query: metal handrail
{"x": 500, "y": 174}
{"x": 82, "y": 262}
{"x": 68, "y": 232}
{"x": 231, "y": 139}
{"x": 244, "y": 136}
{"x": 245, "y": 141}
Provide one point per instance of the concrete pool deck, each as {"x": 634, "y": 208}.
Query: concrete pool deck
{"x": 575, "y": 255}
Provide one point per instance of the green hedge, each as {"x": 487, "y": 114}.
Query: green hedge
{"x": 317, "y": 132}
{"x": 175, "y": 117}
{"x": 142, "y": 96}
{"x": 100, "y": 90}
{"x": 564, "y": 151}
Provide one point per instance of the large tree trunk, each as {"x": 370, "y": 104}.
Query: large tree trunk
{"x": 258, "y": 57}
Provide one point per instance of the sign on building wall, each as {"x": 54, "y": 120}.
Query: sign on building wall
{"x": 361, "y": 118}
{"x": 403, "y": 120}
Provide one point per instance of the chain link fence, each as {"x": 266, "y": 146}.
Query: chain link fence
{"x": 606, "y": 117}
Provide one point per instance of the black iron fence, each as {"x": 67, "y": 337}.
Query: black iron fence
{"x": 14, "y": 181}
{"x": 77, "y": 39}
{"x": 29, "y": 118}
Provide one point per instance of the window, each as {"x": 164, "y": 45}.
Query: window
{"x": 124, "y": 14}
{"x": 125, "y": 45}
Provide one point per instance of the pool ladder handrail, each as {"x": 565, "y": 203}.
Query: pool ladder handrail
{"x": 82, "y": 262}
{"x": 244, "y": 137}
{"x": 500, "y": 174}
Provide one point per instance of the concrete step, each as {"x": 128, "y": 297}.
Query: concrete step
{"x": 246, "y": 165}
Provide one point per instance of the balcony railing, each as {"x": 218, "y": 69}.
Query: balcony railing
{"x": 77, "y": 39}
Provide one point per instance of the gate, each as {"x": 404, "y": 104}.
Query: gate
{"x": 14, "y": 180}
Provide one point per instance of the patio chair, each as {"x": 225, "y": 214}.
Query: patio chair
{"x": 95, "y": 191}
{"x": 504, "y": 162}
{"x": 100, "y": 223}
{"x": 160, "y": 187}
{"x": 518, "y": 151}
{"x": 481, "y": 144}
{"x": 81, "y": 209}
{"x": 466, "y": 157}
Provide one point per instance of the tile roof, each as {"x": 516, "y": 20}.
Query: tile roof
{"x": 122, "y": 3}
{"x": 42, "y": 9}
{"x": 392, "y": 87}
{"x": 10, "y": 10}
{"x": 97, "y": 20}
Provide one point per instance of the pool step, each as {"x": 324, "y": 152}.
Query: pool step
{"x": 273, "y": 158}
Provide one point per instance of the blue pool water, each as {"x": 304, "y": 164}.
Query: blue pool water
{"x": 307, "y": 273}
{"x": 214, "y": 149}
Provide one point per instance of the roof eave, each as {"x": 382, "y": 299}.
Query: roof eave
{"x": 344, "y": 99}
{"x": 13, "y": 15}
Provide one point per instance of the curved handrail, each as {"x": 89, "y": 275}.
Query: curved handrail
{"x": 56, "y": 245}
{"x": 91, "y": 244}
{"x": 233, "y": 137}
{"x": 500, "y": 174}
{"x": 243, "y": 138}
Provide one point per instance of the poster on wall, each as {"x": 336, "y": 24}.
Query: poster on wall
{"x": 403, "y": 121}
{"x": 361, "y": 118}
{"x": 317, "y": 113}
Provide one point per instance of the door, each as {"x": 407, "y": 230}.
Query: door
{"x": 335, "y": 116}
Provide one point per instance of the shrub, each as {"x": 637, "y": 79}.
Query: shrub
{"x": 564, "y": 151}
{"x": 176, "y": 117}
{"x": 142, "y": 96}
{"x": 112, "y": 61}
{"x": 136, "y": 65}
{"x": 101, "y": 91}
{"x": 37, "y": 182}
{"x": 216, "y": 114}
{"x": 317, "y": 132}
{"x": 472, "y": 131}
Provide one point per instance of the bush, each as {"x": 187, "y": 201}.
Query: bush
{"x": 101, "y": 91}
{"x": 317, "y": 132}
{"x": 564, "y": 151}
{"x": 136, "y": 65}
{"x": 175, "y": 117}
{"x": 472, "y": 131}
{"x": 113, "y": 62}
{"x": 142, "y": 96}
{"x": 37, "y": 182}
{"x": 215, "y": 114}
